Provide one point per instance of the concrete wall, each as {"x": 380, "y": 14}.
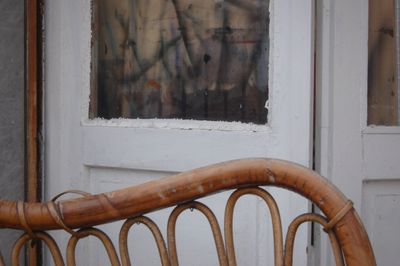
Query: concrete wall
{"x": 11, "y": 109}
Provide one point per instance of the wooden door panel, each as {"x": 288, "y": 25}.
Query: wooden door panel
{"x": 381, "y": 212}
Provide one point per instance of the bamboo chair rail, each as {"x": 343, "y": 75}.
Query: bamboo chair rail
{"x": 349, "y": 240}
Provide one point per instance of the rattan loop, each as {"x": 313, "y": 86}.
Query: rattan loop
{"x": 55, "y": 211}
{"x": 22, "y": 219}
{"x": 78, "y": 192}
{"x": 332, "y": 223}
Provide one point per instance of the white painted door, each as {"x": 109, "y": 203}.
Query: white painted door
{"x": 361, "y": 159}
{"x": 100, "y": 155}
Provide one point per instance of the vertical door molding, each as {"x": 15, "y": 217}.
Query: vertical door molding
{"x": 342, "y": 67}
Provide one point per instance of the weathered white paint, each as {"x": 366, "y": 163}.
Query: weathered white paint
{"x": 381, "y": 155}
{"x": 381, "y": 211}
{"x": 186, "y": 124}
{"x": 349, "y": 153}
{"x": 98, "y": 155}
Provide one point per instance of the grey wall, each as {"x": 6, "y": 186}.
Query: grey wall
{"x": 11, "y": 108}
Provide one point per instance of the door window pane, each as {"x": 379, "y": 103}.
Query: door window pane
{"x": 384, "y": 59}
{"x": 188, "y": 59}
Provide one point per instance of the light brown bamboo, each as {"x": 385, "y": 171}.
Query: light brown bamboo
{"x": 291, "y": 235}
{"x": 275, "y": 218}
{"x": 32, "y": 114}
{"x": 46, "y": 238}
{"x": 123, "y": 240}
{"x": 106, "y": 241}
{"x": 216, "y": 231}
{"x": 198, "y": 183}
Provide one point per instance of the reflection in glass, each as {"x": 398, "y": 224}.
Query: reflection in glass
{"x": 189, "y": 59}
{"x": 384, "y": 59}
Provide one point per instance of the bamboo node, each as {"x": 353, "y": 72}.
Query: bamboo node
{"x": 332, "y": 223}
{"x": 23, "y": 220}
{"x": 54, "y": 210}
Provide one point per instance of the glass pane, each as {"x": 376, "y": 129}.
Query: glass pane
{"x": 188, "y": 59}
{"x": 383, "y": 70}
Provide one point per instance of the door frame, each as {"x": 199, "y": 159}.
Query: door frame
{"x": 341, "y": 85}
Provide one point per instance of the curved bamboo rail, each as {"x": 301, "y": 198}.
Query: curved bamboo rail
{"x": 188, "y": 186}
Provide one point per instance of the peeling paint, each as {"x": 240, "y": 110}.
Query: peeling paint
{"x": 200, "y": 189}
{"x": 161, "y": 195}
{"x": 110, "y": 195}
{"x": 271, "y": 178}
{"x": 177, "y": 124}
